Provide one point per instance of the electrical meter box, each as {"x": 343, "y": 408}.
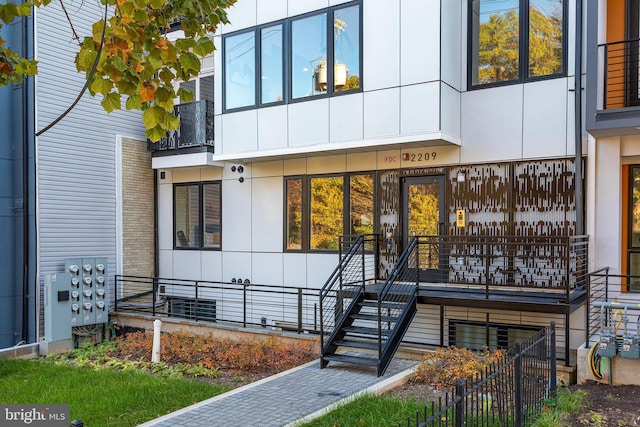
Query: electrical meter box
{"x": 630, "y": 348}
{"x": 88, "y": 290}
{"x": 607, "y": 347}
{"x": 57, "y": 297}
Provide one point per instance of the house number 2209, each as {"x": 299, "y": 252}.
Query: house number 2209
{"x": 419, "y": 157}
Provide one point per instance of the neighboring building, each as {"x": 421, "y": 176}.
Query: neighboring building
{"x": 74, "y": 174}
{"x": 360, "y": 117}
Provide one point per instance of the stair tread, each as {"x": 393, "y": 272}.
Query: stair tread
{"x": 358, "y": 360}
{"x": 365, "y": 331}
{"x": 385, "y": 304}
{"x": 357, "y": 344}
{"x": 371, "y": 316}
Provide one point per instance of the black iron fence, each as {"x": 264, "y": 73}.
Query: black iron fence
{"x": 196, "y": 128}
{"x": 236, "y": 302}
{"x": 510, "y": 393}
{"x": 621, "y": 74}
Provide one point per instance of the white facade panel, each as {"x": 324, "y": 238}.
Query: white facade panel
{"x": 241, "y": 15}
{"x": 419, "y": 41}
{"x": 76, "y": 160}
{"x": 382, "y": 113}
{"x": 327, "y": 164}
{"x": 451, "y": 56}
{"x": 420, "y": 108}
{"x": 267, "y": 269}
{"x": 272, "y": 127}
{"x": 165, "y": 261}
{"x": 272, "y": 10}
{"x": 295, "y": 269}
{"x": 319, "y": 268}
{"x": 239, "y": 132}
{"x": 297, "y": 7}
{"x": 309, "y": 123}
{"x": 211, "y": 266}
{"x": 571, "y": 114}
{"x": 381, "y": 45}
{"x": 267, "y": 207}
{"x": 544, "y": 130}
{"x": 608, "y": 205}
{"x": 217, "y": 80}
{"x": 450, "y": 110}
{"x": 492, "y": 124}
{"x": 236, "y": 215}
{"x": 187, "y": 265}
{"x": 165, "y": 216}
{"x": 346, "y": 114}
{"x": 266, "y": 169}
{"x": 236, "y": 265}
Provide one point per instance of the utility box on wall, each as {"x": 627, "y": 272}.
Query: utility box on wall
{"x": 88, "y": 286}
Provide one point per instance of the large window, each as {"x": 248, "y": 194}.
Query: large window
{"x": 634, "y": 228}
{"x": 516, "y": 40}
{"x": 319, "y": 209}
{"x": 197, "y": 215}
{"x": 322, "y": 54}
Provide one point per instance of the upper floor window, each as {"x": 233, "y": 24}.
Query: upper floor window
{"x": 197, "y": 215}
{"x": 321, "y": 56}
{"x": 516, "y": 40}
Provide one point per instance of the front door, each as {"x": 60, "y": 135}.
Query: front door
{"x": 423, "y": 200}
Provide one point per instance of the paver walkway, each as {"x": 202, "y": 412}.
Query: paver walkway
{"x": 285, "y": 398}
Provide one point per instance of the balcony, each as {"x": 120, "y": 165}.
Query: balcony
{"x": 194, "y": 135}
{"x": 621, "y": 75}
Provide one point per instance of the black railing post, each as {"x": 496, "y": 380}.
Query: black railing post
{"x": 567, "y": 342}
{"x": 605, "y": 86}
{"x": 487, "y": 266}
{"x": 379, "y": 328}
{"x": 570, "y": 251}
{"x": 518, "y": 385}
{"x": 115, "y": 293}
{"x": 587, "y": 328}
{"x": 552, "y": 357}
{"x": 321, "y": 324}
{"x": 299, "y": 310}
{"x": 244, "y": 305}
{"x": 153, "y": 298}
{"x": 459, "y": 421}
{"x": 197, "y": 303}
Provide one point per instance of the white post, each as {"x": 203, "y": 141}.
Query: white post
{"x": 155, "y": 351}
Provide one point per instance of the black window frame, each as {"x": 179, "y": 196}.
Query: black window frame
{"x": 201, "y": 228}
{"x": 286, "y": 59}
{"x": 305, "y": 246}
{"x": 523, "y": 48}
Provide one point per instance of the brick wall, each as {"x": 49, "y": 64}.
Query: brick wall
{"x": 137, "y": 209}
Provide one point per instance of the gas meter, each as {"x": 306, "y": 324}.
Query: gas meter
{"x": 607, "y": 346}
{"x": 630, "y": 348}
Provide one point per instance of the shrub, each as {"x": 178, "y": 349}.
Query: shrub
{"x": 442, "y": 368}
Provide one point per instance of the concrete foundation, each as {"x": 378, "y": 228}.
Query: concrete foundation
{"x": 27, "y": 351}
{"x": 615, "y": 371}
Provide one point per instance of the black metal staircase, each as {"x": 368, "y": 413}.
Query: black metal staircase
{"x": 370, "y": 318}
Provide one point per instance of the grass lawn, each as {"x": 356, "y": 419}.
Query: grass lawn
{"x": 103, "y": 397}
{"x": 370, "y": 410}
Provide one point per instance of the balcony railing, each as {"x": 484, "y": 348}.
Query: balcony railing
{"x": 196, "y": 128}
{"x": 621, "y": 74}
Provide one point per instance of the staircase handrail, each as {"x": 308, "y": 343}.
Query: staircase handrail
{"x": 398, "y": 267}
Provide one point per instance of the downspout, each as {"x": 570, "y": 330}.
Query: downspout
{"x": 579, "y": 184}
{"x": 25, "y": 189}
{"x": 156, "y": 244}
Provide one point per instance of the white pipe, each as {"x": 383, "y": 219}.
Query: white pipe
{"x": 155, "y": 352}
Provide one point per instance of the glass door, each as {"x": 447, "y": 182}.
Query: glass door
{"x": 423, "y": 201}
{"x": 634, "y": 228}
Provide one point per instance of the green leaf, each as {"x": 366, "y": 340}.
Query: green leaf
{"x": 134, "y": 102}
{"x": 126, "y": 86}
{"x": 111, "y": 102}
{"x": 86, "y": 56}
{"x": 204, "y": 46}
{"x": 155, "y": 60}
{"x": 171, "y": 122}
{"x": 190, "y": 62}
{"x": 8, "y": 12}
{"x": 96, "y": 30}
{"x": 119, "y": 64}
{"x": 153, "y": 116}
{"x": 185, "y": 95}
{"x": 140, "y": 4}
{"x": 156, "y": 4}
{"x": 185, "y": 44}
{"x": 155, "y": 133}
{"x": 101, "y": 85}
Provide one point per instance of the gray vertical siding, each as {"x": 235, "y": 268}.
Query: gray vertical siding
{"x": 76, "y": 159}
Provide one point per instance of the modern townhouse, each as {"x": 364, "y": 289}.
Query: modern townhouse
{"x": 447, "y": 130}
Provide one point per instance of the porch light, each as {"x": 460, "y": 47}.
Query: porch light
{"x": 462, "y": 176}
